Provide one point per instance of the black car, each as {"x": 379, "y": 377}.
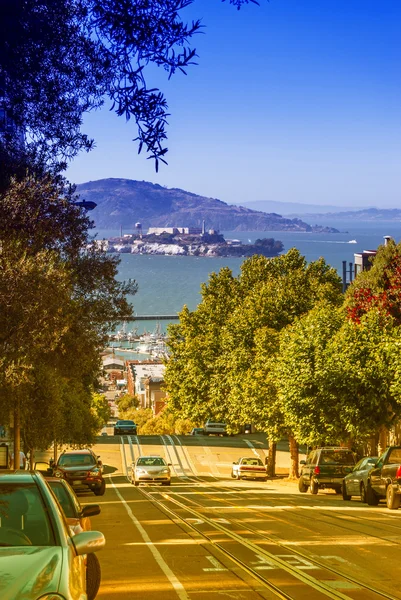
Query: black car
{"x": 325, "y": 468}
{"x": 125, "y": 427}
{"x": 82, "y": 469}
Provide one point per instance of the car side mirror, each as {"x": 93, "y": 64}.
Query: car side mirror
{"x": 87, "y": 542}
{"x": 99, "y": 462}
{"x": 302, "y": 462}
{"x": 90, "y": 510}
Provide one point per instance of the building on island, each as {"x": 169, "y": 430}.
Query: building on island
{"x": 174, "y": 230}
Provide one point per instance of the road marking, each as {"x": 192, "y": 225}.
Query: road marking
{"x": 263, "y": 563}
{"x": 217, "y": 566}
{"x": 220, "y": 520}
{"x": 298, "y": 562}
{"x": 177, "y": 585}
{"x": 248, "y": 443}
{"x": 195, "y": 521}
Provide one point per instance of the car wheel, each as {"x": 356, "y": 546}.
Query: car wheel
{"x": 166, "y": 482}
{"x": 93, "y": 576}
{"x": 363, "y": 493}
{"x": 136, "y": 483}
{"x": 302, "y": 487}
{"x": 338, "y": 490}
{"x": 314, "y": 487}
{"x": 101, "y": 490}
{"x": 392, "y": 499}
{"x": 233, "y": 474}
{"x": 264, "y": 479}
{"x": 371, "y": 497}
{"x": 344, "y": 491}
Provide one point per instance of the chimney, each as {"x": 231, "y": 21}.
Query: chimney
{"x": 387, "y": 238}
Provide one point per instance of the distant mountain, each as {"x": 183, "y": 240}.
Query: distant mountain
{"x": 295, "y": 208}
{"x": 124, "y": 202}
{"x": 367, "y": 214}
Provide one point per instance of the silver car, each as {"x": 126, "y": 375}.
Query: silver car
{"x": 39, "y": 556}
{"x": 150, "y": 469}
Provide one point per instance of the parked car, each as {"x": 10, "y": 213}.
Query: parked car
{"x": 249, "y": 468}
{"x": 197, "y": 431}
{"x": 355, "y": 483}
{"x": 212, "y": 428}
{"x": 78, "y": 518}
{"x": 325, "y": 468}
{"x": 40, "y": 557}
{"x": 81, "y": 468}
{"x": 384, "y": 480}
{"x": 125, "y": 427}
{"x": 150, "y": 469}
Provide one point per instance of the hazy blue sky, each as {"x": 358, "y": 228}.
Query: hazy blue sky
{"x": 292, "y": 101}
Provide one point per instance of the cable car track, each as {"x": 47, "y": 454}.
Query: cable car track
{"x": 279, "y": 563}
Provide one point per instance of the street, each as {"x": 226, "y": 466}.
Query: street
{"x": 208, "y": 536}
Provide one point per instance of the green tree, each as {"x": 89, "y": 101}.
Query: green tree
{"x": 126, "y": 403}
{"x": 59, "y": 297}
{"x": 101, "y": 409}
{"x": 62, "y": 58}
{"x": 222, "y": 354}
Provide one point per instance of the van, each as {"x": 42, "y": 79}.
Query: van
{"x": 215, "y": 428}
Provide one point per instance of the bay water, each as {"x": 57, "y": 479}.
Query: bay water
{"x": 167, "y": 283}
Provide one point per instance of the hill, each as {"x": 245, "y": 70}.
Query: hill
{"x": 124, "y": 202}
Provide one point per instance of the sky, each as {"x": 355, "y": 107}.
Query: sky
{"x": 291, "y": 101}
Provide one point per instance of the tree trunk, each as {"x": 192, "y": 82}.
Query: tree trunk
{"x": 17, "y": 433}
{"x": 271, "y": 459}
{"x": 294, "y": 455}
{"x": 382, "y": 440}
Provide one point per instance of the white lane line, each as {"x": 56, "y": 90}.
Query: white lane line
{"x": 177, "y": 585}
{"x": 123, "y": 457}
{"x": 187, "y": 457}
{"x": 248, "y": 443}
{"x": 217, "y": 566}
{"x": 174, "y": 447}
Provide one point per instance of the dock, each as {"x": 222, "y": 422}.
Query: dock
{"x": 153, "y": 318}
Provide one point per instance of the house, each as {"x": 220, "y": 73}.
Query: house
{"x": 145, "y": 381}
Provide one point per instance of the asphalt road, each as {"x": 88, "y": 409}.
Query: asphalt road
{"x": 208, "y": 536}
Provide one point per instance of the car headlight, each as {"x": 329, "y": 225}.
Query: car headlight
{"x": 58, "y": 474}
{"x": 165, "y": 471}
{"x": 95, "y": 472}
{"x": 140, "y": 471}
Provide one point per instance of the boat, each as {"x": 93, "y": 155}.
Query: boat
{"x": 352, "y": 242}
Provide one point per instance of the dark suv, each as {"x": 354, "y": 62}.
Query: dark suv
{"x": 81, "y": 468}
{"x": 325, "y": 468}
{"x": 125, "y": 427}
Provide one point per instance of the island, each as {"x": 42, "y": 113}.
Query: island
{"x": 185, "y": 241}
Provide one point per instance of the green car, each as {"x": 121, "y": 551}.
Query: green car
{"x": 39, "y": 557}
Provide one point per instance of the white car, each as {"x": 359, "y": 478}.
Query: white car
{"x": 212, "y": 428}
{"x": 150, "y": 469}
{"x": 249, "y": 468}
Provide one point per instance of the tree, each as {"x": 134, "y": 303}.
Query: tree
{"x": 310, "y": 407}
{"x": 62, "y": 58}
{"x": 126, "y": 403}
{"x": 379, "y": 287}
{"x": 58, "y": 299}
{"x": 222, "y": 354}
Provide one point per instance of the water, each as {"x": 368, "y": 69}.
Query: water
{"x": 167, "y": 283}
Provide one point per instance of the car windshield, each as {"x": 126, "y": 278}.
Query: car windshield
{"x": 252, "y": 462}
{"x": 125, "y": 423}
{"x": 337, "y": 457}
{"x": 68, "y": 503}
{"x": 151, "y": 461}
{"x": 23, "y": 516}
{"x": 76, "y": 460}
